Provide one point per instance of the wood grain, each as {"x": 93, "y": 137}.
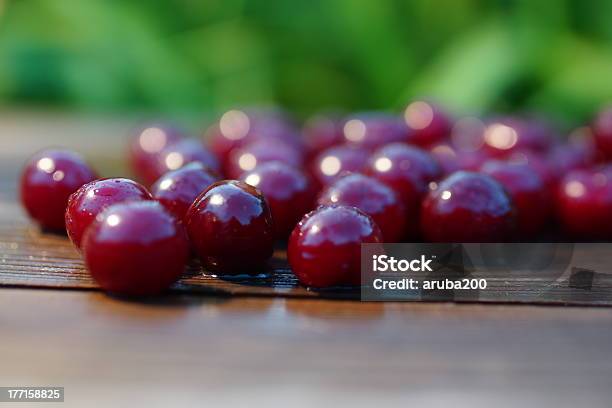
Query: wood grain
{"x": 242, "y": 351}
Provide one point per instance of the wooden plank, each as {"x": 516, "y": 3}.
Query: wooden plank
{"x": 205, "y": 351}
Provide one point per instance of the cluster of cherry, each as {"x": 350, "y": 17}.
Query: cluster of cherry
{"x": 327, "y": 188}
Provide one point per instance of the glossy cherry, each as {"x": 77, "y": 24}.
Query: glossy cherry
{"x": 452, "y": 159}
{"x": 407, "y": 170}
{"x": 47, "y": 180}
{"x": 231, "y": 228}
{"x": 468, "y": 207}
{"x": 511, "y": 133}
{"x": 602, "y": 131}
{"x": 371, "y": 130}
{"x": 584, "y": 203}
{"x": 322, "y": 132}
{"x": 146, "y": 143}
{"x": 372, "y": 197}
{"x": 181, "y": 153}
{"x": 528, "y": 191}
{"x": 579, "y": 153}
{"x": 335, "y": 161}
{"x": 538, "y": 162}
{"x": 325, "y": 247}
{"x": 248, "y": 157}
{"x": 94, "y": 197}
{"x": 288, "y": 191}
{"x": 135, "y": 248}
{"x": 428, "y": 123}
{"x": 177, "y": 189}
{"x": 238, "y": 127}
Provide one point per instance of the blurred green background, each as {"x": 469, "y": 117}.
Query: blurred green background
{"x": 191, "y": 57}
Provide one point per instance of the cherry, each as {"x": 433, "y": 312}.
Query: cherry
{"x": 584, "y": 203}
{"x": 94, "y": 197}
{"x": 579, "y": 152}
{"x": 239, "y": 127}
{"x": 337, "y": 160}
{"x": 510, "y": 133}
{"x": 467, "y": 207}
{"x": 528, "y": 191}
{"x": 427, "y": 122}
{"x": 373, "y": 129}
{"x": 472, "y": 161}
{"x": 407, "y": 170}
{"x": 135, "y": 248}
{"x": 452, "y": 159}
{"x": 373, "y": 198}
{"x": 538, "y": 163}
{"x": 289, "y": 192}
{"x": 47, "y": 180}
{"x": 145, "y": 146}
{"x": 231, "y": 228}
{"x": 325, "y": 247}
{"x": 602, "y": 131}
{"x": 322, "y": 132}
{"x": 246, "y": 158}
{"x": 177, "y": 189}
{"x": 185, "y": 151}
{"x": 446, "y": 157}
{"x": 465, "y": 149}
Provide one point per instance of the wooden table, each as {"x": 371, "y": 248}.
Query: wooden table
{"x": 247, "y": 349}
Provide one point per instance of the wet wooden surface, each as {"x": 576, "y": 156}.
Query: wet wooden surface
{"x": 208, "y": 348}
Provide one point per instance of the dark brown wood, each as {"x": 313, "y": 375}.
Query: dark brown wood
{"x": 243, "y": 351}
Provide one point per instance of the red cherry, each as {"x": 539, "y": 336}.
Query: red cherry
{"x": 325, "y": 247}
{"x": 373, "y": 198}
{"x": 537, "y": 162}
{"x": 231, "y": 228}
{"x": 181, "y": 153}
{"x": 472, "y": 161}
{"x": 246, "y": 158}
{"x": 135, "y": 248}
{"x": 452, "y": 159}
{"x": 289, "y": 192}
{"x": 602, "y": 131}
{"x": 335, "y": 161}
{"x": 94, "y": 197}
{"x": 177, "y": 189}
{"x": 465, "y": 149}
{"x": 511, "y": 133}
{"x": 468, "y": 207}
{"x": 407, "y": 170}
{"x": 237, "y": 128}
{"x": 579, "y": 153}
{"x": 446, "y": 157}
{"x": 145, "y": 146}
{"x": 427, "y": 122}
{"x": 47, "y": 180}
{"x": 373, "y": 129}
{"x": 322, "y": 132}
{"x": 585, "y": 203}
{"x": 528, "y": 191}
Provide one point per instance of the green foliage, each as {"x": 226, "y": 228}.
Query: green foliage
{"x": 190, "y": 56}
